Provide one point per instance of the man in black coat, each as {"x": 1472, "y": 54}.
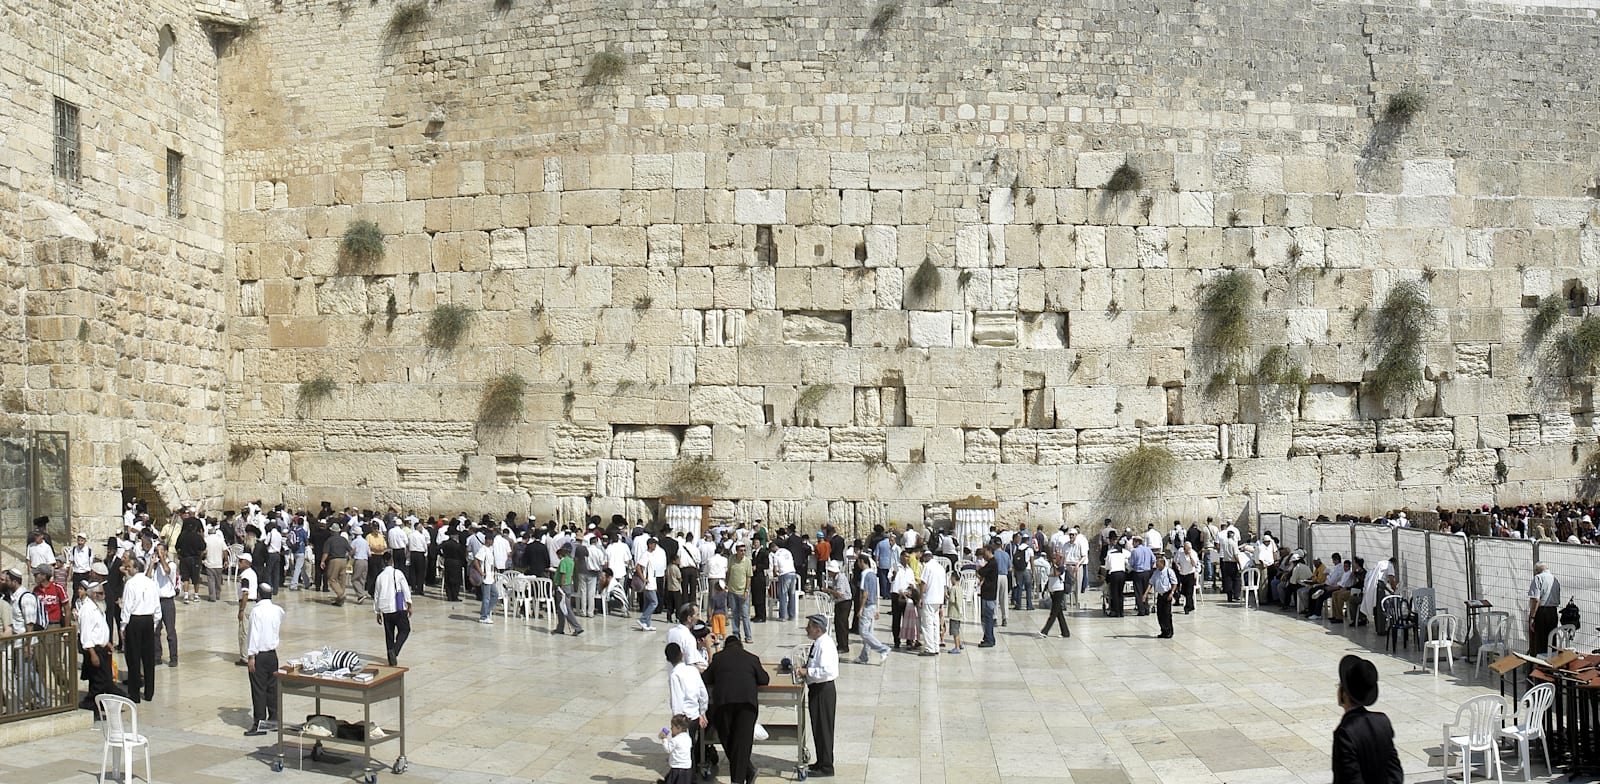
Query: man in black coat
{"x": 1363, "y": 744}
{"x": 733, "y": 677}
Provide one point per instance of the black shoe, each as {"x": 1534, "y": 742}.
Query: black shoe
{"x": 985, "y": 645}
{"x": 173, "y": 662}
{"x": 822, "y": 772}
{"x": 926, "y": 653}
{"x": 241, "y": 663}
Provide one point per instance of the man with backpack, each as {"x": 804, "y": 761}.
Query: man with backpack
{"x": 298, "y": 538}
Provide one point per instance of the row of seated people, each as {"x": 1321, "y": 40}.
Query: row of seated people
{"x": 1339, "y": 593}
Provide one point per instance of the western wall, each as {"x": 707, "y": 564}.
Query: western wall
{"x": 866, "y": 259}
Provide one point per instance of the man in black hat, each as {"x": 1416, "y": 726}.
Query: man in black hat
{"x": 1363, "y": 744}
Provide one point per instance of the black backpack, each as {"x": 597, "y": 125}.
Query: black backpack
{"x": 1570, "y": 615}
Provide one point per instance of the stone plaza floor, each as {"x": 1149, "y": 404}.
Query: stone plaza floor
{"x": 1238, "y": 696}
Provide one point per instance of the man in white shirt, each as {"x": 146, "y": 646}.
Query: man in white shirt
{"x": 821, "y": 670}
{"x": 164, "y": 570}
{"x": 399, "y": 540}
{"x": 94, "y": 634}
{"x": 81, "y": 560}
{"x": 682, "y": 633}
{"x": 619, "y": 557}
{"x": 788, "y": 582}
{"x": 141, "y": 611}
{"x": 248, "y": 590}
{"x": 717, "y": 570}
{"x": 261, "y": 655}
{"x": 271, "y": 573}
{"x": 933, "y": 588}
{"x": 40, "y": 553}
{"x": 686, "y": 695}
{"x": 910, "y": 540}
{"x": 489, "y": 571}
{"x": 417, "y": 543}
{"x": 216, "y": 547}
{"x": 391, "y": 600}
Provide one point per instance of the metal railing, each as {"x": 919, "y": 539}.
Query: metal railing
{"x": 38, "y": 674}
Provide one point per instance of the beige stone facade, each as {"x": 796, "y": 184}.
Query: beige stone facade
{"x": 706, "y": 242}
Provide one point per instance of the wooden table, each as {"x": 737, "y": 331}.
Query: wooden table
{"x": 389, "y": 683}
{"x": 1573, "y": 721}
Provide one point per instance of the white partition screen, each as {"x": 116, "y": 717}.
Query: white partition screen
{"x": 1329, "y": 538}
{"x": 1413, "y": 558}
{"x": 1449, "y": 572}
{"x": 1503, "y": 568}
{"x": 1578, "y": 569}
{"x": 1374, "y": 543}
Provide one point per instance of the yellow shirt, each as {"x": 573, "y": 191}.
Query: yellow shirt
{"x": 377, "y": 543}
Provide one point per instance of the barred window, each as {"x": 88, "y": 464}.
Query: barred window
{"x": 67, "y": 141}
{"x": 174, "y": 184}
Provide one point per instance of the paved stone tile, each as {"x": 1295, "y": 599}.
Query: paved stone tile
{"x": 1239, "y": 696}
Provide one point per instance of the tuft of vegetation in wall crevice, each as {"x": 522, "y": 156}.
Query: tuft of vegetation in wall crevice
{"x": 1399, "y": 329}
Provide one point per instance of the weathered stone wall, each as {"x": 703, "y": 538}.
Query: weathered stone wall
{"x": 112, "y": 313}
{"x": 712, "y": 252}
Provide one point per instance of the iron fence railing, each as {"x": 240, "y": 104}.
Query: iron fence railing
{"x": 38, "y": 674}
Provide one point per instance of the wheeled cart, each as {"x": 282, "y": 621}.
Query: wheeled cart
{"x": 781, "y": 694}
{"x": 388, "y": 683}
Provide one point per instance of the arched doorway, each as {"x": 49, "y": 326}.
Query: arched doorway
{"x": 138, "y": 487}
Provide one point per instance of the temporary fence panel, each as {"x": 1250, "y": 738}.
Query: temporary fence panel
{"x": 1413, "y": 552}
{"x": 1329, "y": 538}
{"x": 1577, "y": 567}
{"x": 1374, "y": 543}
{"x": 1448, "y": 571}
{"x": 1288, "y": 532}
{"x": 1502, "y": 568}
{"x": 1270, "y": 521}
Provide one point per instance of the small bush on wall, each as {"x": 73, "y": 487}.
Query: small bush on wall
{"x": 446, "y": 326}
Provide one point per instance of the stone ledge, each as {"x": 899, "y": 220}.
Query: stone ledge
{"x": 53, "y": 726}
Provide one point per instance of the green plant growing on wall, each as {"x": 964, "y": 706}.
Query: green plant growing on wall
{"x": 501, "y": 404}
{"x": 1278, "y": 366}
{"x": 313, "y": 391}
{"x": 643, "y": 303}
{"x": 238, "y": 453}
{"x": 924, "y": 282}
{"x": 605, "y": 67}
{"x": 391, "y": 311}
{"x": 1546, "y": 315}
{"x": 882, "y": 18}
{"x": 408, "y": 16}
{"x": 694, "y": 476}
{"x": 1581, "y": 346}
{"x": 1398, "y": 331}
{"x": 1142, "y": 474}
{"x": 1125, "y": 178}
{"x": 360, "y": 248}
{"x": 446, "y": 326}
{"x": 1225, "y": 312}
{"x": 1404, "y": 106}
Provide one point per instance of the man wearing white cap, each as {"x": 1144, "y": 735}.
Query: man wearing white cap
{"x": 94, "y": 634}
{"x": 247, "y": 597}
{"x": 81, "y": 560}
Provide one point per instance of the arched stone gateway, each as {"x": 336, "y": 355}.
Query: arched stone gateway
{"x": 148, "y": 476}
{"x": 139, "y": 487}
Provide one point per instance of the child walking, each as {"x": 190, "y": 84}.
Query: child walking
{"x": 676, "y": 742}
{"x": 719, "y": 613}
{"x": 952, "y": 615}
{"x": 909, "y": 624}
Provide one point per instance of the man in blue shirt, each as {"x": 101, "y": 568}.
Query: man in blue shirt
{"x": 1164, "y": 584}
{"x": 1140, "y": 562}
{"x": 883, "y": 553}
{"x": 869, "y": 614}
{"x": 1002, "y": 564}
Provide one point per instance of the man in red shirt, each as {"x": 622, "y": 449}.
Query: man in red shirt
{"x": 52, "y": 597}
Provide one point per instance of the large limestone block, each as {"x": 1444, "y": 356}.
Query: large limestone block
{"x": 766, "y": 208}
{"x": 1025, "y": 483}
{"x": 576, "y": 442}
{"x": 508, "y": 249}
{"x": 451, "y": 438}
{"x": 277, "y": 434}
{"x": 1323, "y": 438}
{"x": 698, "y": 441}
{"x": 541, "y": 477}
{"x": 1187, "y": 442}
{"x": 1349, "y": 471}
{"x": 591, "y": 208}
{"x": 1058, "y": 446}
{"x": 1401, "y": 435}
{"x": 1330, "y": 403}
{"x": 1105, "y": 445}
{"x": 1086, "y": 406}
{"x": 994, "y": 328}
{"x": 1141, "y": 406}
{"x": 726, "y": 405}
{"x": 982, "y": 445}
{"x": 858, "y": 444}
{"x": 930, "y": 328}
{"x": 805, "y": 444}
{"x": 644, "y": 442}
{"x": 1020, "y": 445}
{"x": 1429, "y": 178}
{"x": 816, "y": 328}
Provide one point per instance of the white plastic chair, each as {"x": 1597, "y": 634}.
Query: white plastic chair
{"x": 1529, "y": 724}
{"x": 1441, "y": 637}
{"x": 617, "y": 592}
{"x": 1496, "y": 638}
{"x": 1475, "y": 729}
{"x": 1560, "y": 639}
{"x": 513, "y": 593}
{"x": 121, "y": 734}
{"x": 542, "y": 593}
{"x": 1251, "y": 587}
{"x": 234, "y": 551}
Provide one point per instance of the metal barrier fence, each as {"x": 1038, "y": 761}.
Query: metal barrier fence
{"x": 1461, "y": 567}
{"x": 38, "y": 674}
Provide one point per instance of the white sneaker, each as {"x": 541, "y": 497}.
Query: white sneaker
{"x": 883, "y": 658}
{"x": 649, "y": 628}
{"x": 486, "y": 621}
